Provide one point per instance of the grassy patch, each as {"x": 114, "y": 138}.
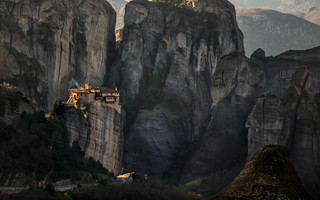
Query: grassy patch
{"x": 161, "y": 109}
{"x": 194, "y": 183}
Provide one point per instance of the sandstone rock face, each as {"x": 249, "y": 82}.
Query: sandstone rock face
{"x": 267, "y": 110}
{"x": 77, "y": 126}
{"x": 268, "y": 174}
{"x": 49, "y": 46}
{"x": 279, "y": 70}
{"x": 166, "y": 61}
{"x": 276, "y": 32}
{"x": 291, "y": 120}
{"x": 223, "y": 147}
{"x": 100, "y": 135}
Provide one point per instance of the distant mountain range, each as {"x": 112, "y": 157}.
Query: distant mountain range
{"x": 307, "y": 9}
{"x": 276, "y": 32}
{"x": 313, "y": 15}
{"x": 288, "y": 6}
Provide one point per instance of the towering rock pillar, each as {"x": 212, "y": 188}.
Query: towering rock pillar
{"x": 99, "y": 133}
{"x": 291, "y": 120}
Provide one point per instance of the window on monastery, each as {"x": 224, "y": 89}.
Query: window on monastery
{"x": 110, "y": 99}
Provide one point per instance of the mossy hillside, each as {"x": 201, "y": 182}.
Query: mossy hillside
{"x": 210, "y": 185}
{"x": 269, "y": 174}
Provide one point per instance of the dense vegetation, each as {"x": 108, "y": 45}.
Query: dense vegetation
{"x": 38, "y": 149}
{"x": 152, "y": 190}
{"x": 173, "y": 2}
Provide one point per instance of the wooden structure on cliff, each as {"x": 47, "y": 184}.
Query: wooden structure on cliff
{"x": 79, "y": 97}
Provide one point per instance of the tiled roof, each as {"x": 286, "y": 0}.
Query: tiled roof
{"x": 105, "y": 90}
{"x": 102, "y": 90}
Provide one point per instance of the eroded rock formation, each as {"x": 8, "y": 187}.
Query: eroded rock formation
{"x": 13, "y": 104}
{"x": 222, "y": 149}
{"x": 167, "y": 58}
{"x": 49, "y": 46}
{"x": 290, "y": 120}
{"x": 98, "y": 130}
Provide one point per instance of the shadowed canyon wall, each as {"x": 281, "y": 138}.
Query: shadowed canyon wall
{"x": 166, "y": 61}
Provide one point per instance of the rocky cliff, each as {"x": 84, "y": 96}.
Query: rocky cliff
{"x": 98, "y": 130}
{"x": 167, "y": 58}
{"x": 49, "y": 46}
{"x": 288, "y": 114}
{"x": 186, "y": 85}
{"x": 268, "y": 174}
{"x": 276, "y": 32}
{"x": 35, "y": 150}
{"x": 238, "y": 82}
{"x": 189, "y": 90}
